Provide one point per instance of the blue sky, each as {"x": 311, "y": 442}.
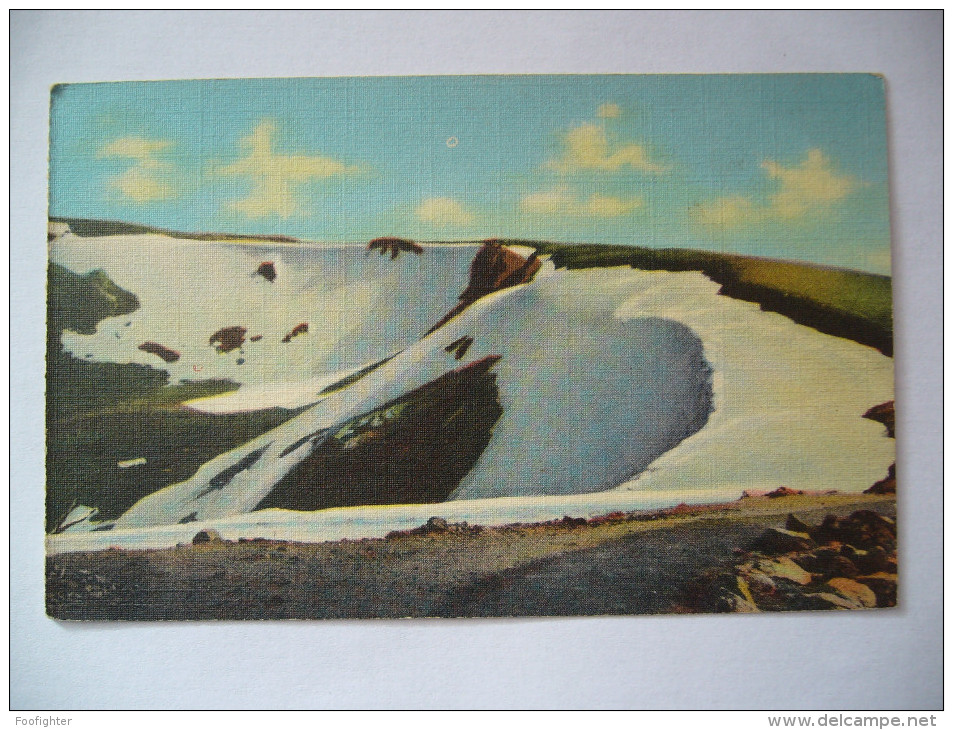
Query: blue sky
{"x": 789, "y": 166}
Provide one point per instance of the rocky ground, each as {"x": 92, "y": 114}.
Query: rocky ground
{"x": 784, "y": 552}
{"x": 842, "y": 563}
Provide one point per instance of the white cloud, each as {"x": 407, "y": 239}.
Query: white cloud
{"x": 561, "y": 201}
{"x": 609, "y": 110}
{"x": 443, "y": 212}
{"x": 138, "y": 148}
{"x": 807, "y": 188}
{"x": 586, "y": 147}
{"x": 277, "y": 178}
{"x": 809, "y": 185}
{"x": 142, "y": 185}
{"x": 150, "y": 178}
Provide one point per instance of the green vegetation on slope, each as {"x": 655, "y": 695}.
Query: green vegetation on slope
{"x": 89, "y": 228}
{"x": 98, "y": 413}
{"x": 850, "y": 304}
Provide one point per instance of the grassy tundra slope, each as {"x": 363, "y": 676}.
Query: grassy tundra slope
{"x": 100, "y": 413}
{"x": 851, "y": 304}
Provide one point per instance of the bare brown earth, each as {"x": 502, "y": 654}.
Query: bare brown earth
{"x": 633, "y": 563}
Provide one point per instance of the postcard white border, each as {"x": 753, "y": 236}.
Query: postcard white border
{"x": 878, "y": 660}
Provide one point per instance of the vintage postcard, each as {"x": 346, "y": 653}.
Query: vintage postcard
{"x": 469, "y": 346}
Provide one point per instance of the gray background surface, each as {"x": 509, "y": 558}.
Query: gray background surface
{"x": 875, "y": 660}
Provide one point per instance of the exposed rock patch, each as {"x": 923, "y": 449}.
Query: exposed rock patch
{"x": 166, "y": 353}
{"x": 299, "y": 329}
{"x": 267, "y": 271}
{"x": 393, "y": 245}
{"x": 228, "y": 338}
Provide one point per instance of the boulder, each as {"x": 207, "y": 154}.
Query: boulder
{"x": 724, "y": 592}
{"x": 207, "y": 537}
{"x": 729, "y": 602}
{"x": 433, "y": 526}
{"x": 874, "y": 560}
{"x": 862, "y": 529}
{"x": 854, "y": 591}
{"x": 795, "y": 525}
{"x": 775, "y": 541}
{"x": 884, "y": 586}
{"x": 828, "y": 562}
{"x": 783, "y": 568}
{"x": 759, "y": 583}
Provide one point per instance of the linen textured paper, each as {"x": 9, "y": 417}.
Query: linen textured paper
{"x": 469, "y": 346}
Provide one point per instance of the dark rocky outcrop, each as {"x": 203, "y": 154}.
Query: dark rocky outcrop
{"x": 228, "y": 338}
{"x": 494, "y": 267}
{"x": 299, "y": 329}
{"x": 166, "y": 353}
{"x": 394, "y": 246}
{"x": 412, "y": 450}
{"x": 266, "y": 270}
{"x": 884, "y": 413}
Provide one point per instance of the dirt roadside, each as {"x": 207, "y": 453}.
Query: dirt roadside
{"x": 634, "y": 563}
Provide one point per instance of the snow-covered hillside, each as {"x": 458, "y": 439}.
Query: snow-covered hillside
{"x": 619, "y": 389}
